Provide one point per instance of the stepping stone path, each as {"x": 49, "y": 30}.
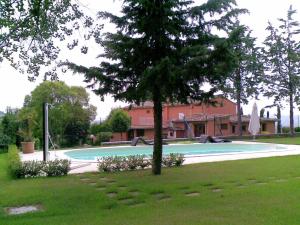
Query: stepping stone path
{"x": 192, "y": 194}
{"x": 134, "y": 193}
{"x": 23, "y": 209}
{"x": 111, "y": 194}
{"x": 216, "y": 190}
{"x": 161, "y": 196}
{"x": 280, "y": 180}
{"x": 93, "y": 184}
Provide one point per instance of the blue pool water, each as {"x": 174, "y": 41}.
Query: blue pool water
{"x": 186, "y": 149}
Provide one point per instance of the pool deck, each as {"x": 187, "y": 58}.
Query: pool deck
{"x": 82, "y": 166}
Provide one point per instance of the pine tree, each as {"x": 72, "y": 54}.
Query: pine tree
{"x": 163, "y": 50}
{"x": 282, "y": 62}
{"x": 243, "y": 82}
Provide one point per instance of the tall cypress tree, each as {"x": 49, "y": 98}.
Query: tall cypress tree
{"x": 282, "y": 62}
{"x": 243, "y": 82}
{"x": 163, "y": 50}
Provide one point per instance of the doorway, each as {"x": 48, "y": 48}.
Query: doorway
{"x": 199, "y": 129}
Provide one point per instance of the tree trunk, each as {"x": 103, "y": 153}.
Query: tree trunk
{"x": 292, "y": 130}
{"x": 279, "y": 120}
{"x": 157, "y": 147}
{"x": 239, "y": 115}
{"x": 238, "y": 87}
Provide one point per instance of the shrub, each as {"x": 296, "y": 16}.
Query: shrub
{"x": 103, "y": 137}
{"x": 285, "y": 130}
{"x": 32, "y": 168}
{"x": 132, "y": 161}
{"x": 143, "y": 161}
{"x": 57, "y": 167}
{"x": 173, "y": 159}
{"x": 14, "y": 162}
{"x": 297, "y": 129}
{"x": 177, "y": 159}
{"x": 105, "y": 164}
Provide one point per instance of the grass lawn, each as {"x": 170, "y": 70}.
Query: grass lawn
{"x": 258, "y": 191}
{"x": 281, "y": 140}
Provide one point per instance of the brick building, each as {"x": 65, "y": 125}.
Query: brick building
{"x": 193, "y": 120}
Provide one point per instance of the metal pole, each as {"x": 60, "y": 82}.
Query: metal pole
{"x": 45, "y": 132}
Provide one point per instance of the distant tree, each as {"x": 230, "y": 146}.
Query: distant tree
{"x": 119, "y": 121}
{"x": 10, "y": 125}
{"x": 70, "y": 113}
{"x": 31, "y": 32}
{"x": 101, "y": 127}
{"x": 163, "y": 50}
{"x": 282, "y": 62}
{"x": 243, "y": 82}
{"x": 278, "y": 115}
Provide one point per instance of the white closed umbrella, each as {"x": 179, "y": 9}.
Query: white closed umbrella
{"x": 254, "y": 124}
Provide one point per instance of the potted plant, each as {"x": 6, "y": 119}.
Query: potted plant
{"x": 27, "y": 121}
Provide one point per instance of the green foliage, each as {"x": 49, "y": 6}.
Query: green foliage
{"x": 174, "y": 159}
{"x": 28, "y": 120}
{"x": 119, "y": 120}
{"x": 103, "y": 137}
{"x": 286, "y": 130}
{"x": 14, "y": 162}
{"x": 102, "y": 127}
{"x": 282, "y": 62}
{"x": 133, "y": 162}
{"x": 57, "y": 168}
{"x": 297, "y": 129}
{"x": 163, "y": 51}
{"x": 70, "y": 113}
{"x": 32, "y": 32}
{"x": 10, "y": 125}
{"x": 32, "y": 169}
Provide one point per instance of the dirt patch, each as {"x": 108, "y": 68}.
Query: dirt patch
{"x": 134, "y": 193}
{"x": 23, "y": 209}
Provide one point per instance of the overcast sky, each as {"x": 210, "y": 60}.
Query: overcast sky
{"x": 14, "y": 86}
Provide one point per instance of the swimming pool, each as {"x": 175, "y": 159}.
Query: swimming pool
{"x": 186, "y": 149}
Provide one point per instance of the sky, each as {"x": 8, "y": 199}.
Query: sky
{"x": 14, "y": 86}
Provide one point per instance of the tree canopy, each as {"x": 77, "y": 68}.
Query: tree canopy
{"x": 163, "y": 50}
{"x": 70, "y": 113}
{"x": 246, "y": 77}
{"x": 282, "y": 62}
{"x": 32, "y": 32}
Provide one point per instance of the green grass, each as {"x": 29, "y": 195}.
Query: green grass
{"x": 281, "y": 140}
{"x": 258, "y": 191}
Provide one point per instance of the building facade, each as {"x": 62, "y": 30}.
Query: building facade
{"x": 192, "y": 120}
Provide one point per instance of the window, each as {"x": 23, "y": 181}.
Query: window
{"x": 224, "y": 126}
{"x": 171, "y": 134}
{"x": 140, "y": 133}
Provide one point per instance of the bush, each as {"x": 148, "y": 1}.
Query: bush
{"x": 32, "y": 168}
{"x": 297, "y": 129}
{"x": 14, "y": 162}
{"x": 103, "y": 137}
{"x": 105, "y": 164}
{"x": 285, "y": 130}
{"x": 133, "y": 162}
{"x": 174, "y": 159}
{"x": 57, "y": 167}
{"x": 18, "y": 169}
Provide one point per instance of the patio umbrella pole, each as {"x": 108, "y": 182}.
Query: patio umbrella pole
{"x": 45, "y": 132}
